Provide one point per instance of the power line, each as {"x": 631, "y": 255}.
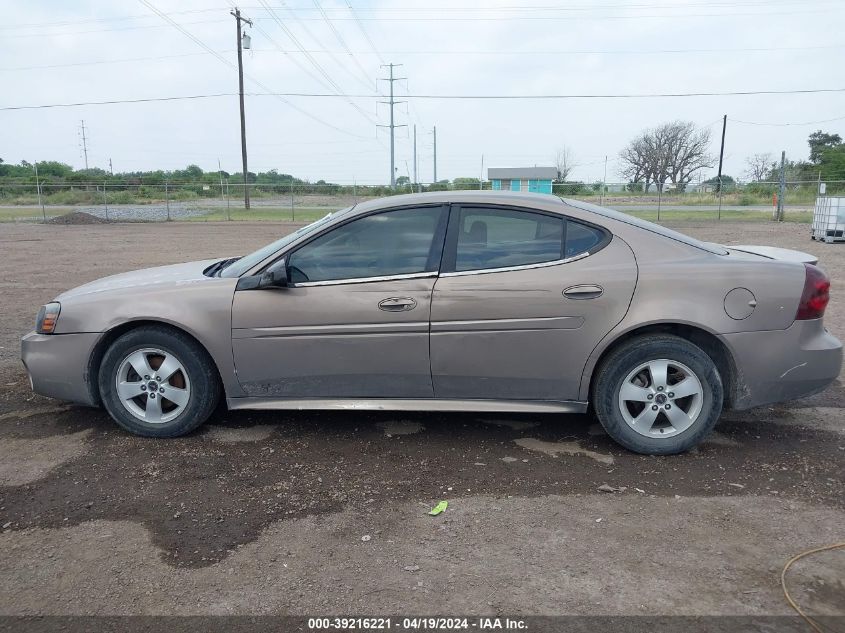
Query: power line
{"x": 364, "y": 32}
{"x": 138, "y": 27}
{"x": 118, "y": 101}
{"x": 333, "y": 85}
{"x": 582, "y": 7}
{"x": 119, "y": 18}
{"x": 665, "y": 51}
{"x": 339, "y": 38}
{"x": 299, "y": 45}
{"x": 450, "y": 52}
{"x": 429, "y": 96}
{"x": 326, "y": 85}
{"x": 839, "y": 118}
{"x": 483, "y": 18}
{"x": 567, "y": 7}
{"x": 222, "y": 59}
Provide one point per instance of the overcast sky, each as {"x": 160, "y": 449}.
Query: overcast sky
{"x": 95, "y": 50}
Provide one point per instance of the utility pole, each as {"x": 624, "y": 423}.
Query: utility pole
{"x": 41, "y": 201}
{"x": 84, "y": 145}
{"x": 603, "y": 182}
{"x": 220, "y": 173}
{"x": 721, "y": 156}
{"x": 481, "y": 177}
{"x": 781, "y": 187}
{"x": 415, "y": 156}
{"x": 392, "y": 126}
{"x": 238, "y": 19}
{"x": 435, "y": 153}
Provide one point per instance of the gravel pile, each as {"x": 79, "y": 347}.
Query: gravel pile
{"x": 76, "y": 217}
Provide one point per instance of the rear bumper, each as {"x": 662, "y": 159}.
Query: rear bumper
{"x": 779, "y": 365}
{"x": 57, "y": 365}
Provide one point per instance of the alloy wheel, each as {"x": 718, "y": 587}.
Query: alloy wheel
{"x": 661, "y": 398}
{"x": 153, "y": 385}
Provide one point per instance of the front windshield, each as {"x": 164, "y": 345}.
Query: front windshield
{"x": 239, "y": 267}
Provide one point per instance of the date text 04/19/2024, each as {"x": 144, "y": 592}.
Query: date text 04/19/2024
{"x": 417, "y": 623}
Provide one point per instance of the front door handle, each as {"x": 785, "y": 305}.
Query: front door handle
{"x": 583, "y": 291}
{"x": 397, "y": 304}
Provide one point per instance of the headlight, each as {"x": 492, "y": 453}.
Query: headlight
{"x": 48, "y": 316}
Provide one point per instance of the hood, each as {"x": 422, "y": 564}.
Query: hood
{"x": 188, "y": 273}
{"x": 773, "y": 252}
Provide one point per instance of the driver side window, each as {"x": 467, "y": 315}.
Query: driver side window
{"x": 401, "y": 242}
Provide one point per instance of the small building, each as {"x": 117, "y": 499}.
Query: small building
{"x": 533, "y": 179}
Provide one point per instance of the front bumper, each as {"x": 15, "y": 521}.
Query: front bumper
{"x": 57, "y": 365}
{"x": 778, "y": 365}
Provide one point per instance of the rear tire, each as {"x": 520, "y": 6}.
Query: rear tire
{"x": 658, "y": 395}
{"x": 156, "y": 381}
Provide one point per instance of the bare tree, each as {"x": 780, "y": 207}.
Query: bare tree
{"x": 564, "y": 162}
{"x": 687, "y": 149}
{"x": 635, "y": 162}
{"x": 670, "y": 152}
{"x": 758, "y": 166}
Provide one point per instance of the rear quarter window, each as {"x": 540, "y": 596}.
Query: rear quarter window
{"x": 581, "y": 238}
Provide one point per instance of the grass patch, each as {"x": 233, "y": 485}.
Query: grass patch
{"x": 30, "y": 214}
{"x": 675, "y": 215}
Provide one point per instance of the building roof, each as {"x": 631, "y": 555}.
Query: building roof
{"x": 539, "y": 173}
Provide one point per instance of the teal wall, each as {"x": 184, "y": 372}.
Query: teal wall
{"x": 535, "y": 186}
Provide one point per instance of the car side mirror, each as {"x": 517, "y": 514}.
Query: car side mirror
{"x": 273, "y": 279}
{"x": 277, "y": 278}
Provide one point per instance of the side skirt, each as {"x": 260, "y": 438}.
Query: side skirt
{"x": 396, "y": 404}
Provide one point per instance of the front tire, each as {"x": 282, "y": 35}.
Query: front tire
{"x": 158, "y": 382}
{"x": 658, "y": 395}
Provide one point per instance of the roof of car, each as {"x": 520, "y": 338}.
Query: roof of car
{"x": 539, "y": 200}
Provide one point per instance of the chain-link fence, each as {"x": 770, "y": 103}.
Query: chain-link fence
{"x": 303, "y": 202}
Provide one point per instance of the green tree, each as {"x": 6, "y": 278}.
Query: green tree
{"x": 728, "y": 183}
{"x": 819, "y": 142}
{"x": 832, "y": 163}
{"x": 465, "y": 183}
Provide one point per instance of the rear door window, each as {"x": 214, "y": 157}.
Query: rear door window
{"x": 504, "y": 238}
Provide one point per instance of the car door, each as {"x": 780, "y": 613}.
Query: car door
{"x": 353, "y": 321}
{"x": 522, "y": 299}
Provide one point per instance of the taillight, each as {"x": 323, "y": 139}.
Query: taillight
{"x": 816, "y": 294}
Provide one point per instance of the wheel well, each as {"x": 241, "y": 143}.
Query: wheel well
{"x": 708, "y": 342}
{"x": 116, "y": 332}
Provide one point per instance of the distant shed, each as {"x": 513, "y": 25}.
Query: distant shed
{"x": 533, "y": 179}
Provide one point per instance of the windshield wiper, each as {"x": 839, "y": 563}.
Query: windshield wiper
{"x": 217, "y": 267}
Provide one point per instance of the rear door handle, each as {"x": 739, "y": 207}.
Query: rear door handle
{"x": 397, "y": 304}
{"x": 583, "y": 291}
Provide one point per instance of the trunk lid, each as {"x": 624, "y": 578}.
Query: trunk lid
{"x": 773, "y": 252}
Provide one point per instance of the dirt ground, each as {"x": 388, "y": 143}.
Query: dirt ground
{"x": 325, "y": 513}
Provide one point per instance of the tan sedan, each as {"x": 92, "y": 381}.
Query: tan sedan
{"x": 454, "y": 301}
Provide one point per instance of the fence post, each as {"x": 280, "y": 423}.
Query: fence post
{"x": 228, "y": 212}
{"x": 41, "y": 202}
{"x": 781, "y": 186}
{"x": 659, "y": 195}
{"x": 105, "y": 201}
{"x": 292, "y": 212}
{"x": 719, "y": 215}
{"x": 167, "y": 198}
